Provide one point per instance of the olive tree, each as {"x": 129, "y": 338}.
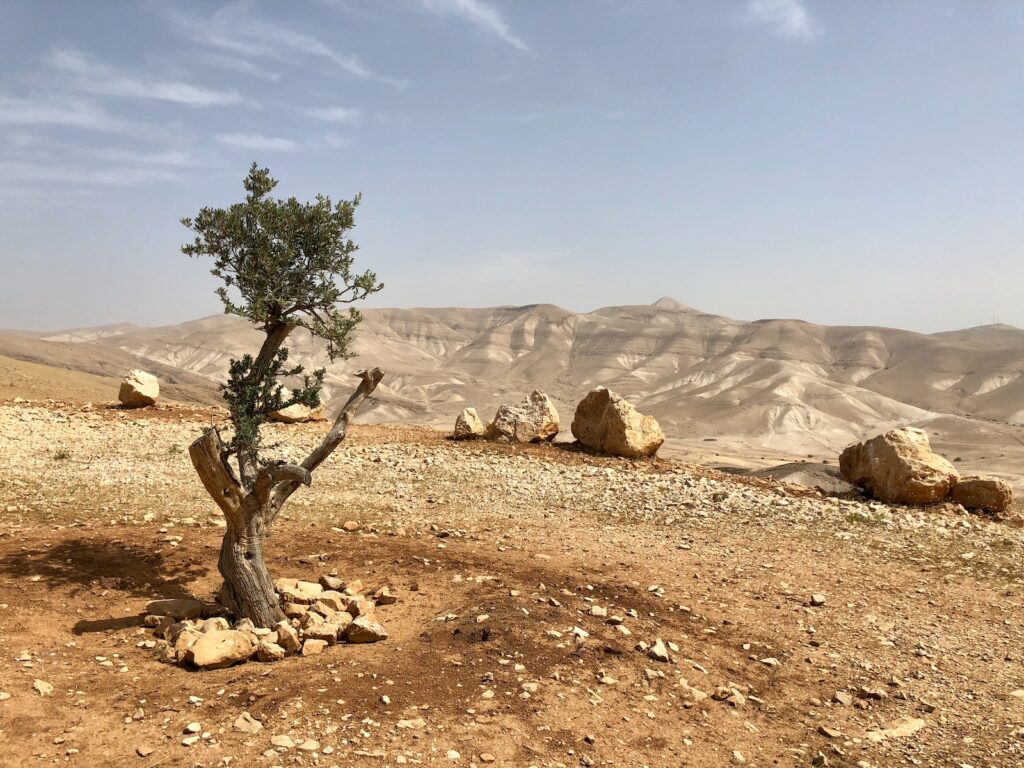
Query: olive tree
{"x": 284, "y": 265}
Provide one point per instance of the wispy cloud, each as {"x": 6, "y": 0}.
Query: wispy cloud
{"x": 236, "y": 28}
{"x": 72, "y": 113}
{"x": 244, "y": 66}
{"x": 92, "y": 76}
{"x": 171, "y": 158}
{"x": 480, "y": 14}
{"x": 257, "y": 141}
{"x": 120, "y": 176}
{"x": 787, "y": 18}
{"x": 343, "y": 115}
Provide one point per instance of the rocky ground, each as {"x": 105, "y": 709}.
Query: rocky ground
{"x": 533, "y": 586}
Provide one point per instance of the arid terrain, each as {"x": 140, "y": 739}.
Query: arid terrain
{"x": 801, "y": 630}
{"x": 726, "y": 392}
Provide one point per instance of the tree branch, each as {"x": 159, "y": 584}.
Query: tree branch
{"x": 248, "y": 462}
{"x": 208, "y": 457}
{"x": 269, "y": 479}
{"x": 370, "y": 380}
{"x": 281, "y": 472}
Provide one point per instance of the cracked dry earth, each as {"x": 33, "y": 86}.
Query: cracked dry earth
{"x": 796, "y": 629}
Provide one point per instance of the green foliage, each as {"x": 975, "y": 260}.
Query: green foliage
{"x": 284, "y": 265}
{"x": 252, "y": 397}
{"x": 286, "y": 261}
{"x": 62, "y": 454}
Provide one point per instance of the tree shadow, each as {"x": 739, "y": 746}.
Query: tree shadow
{"x": 98, "y": 565}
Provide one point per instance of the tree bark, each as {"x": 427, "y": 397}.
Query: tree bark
{"x": 251, "y": 507}
{"x": 248, "y": 589}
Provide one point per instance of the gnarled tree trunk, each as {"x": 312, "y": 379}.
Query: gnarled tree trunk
{"x": 250, "y": 507}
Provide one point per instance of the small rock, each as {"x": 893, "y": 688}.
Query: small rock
{"x": 468, "y": 425}
{"x": 365, "y": 630}
{"x": 222, "y": 648}
{"x": 658, "y": 651}
{"x": 267, "y": 651}
{"x": 246, "y": 723}
{"x": 844, "y": 698}
{"x": 178, "y": 609}
{"x": 287, "y": 637}
{"x": 903, "y": 728}
{"x": 332, "y": 583}
{"x": 313, "y": 647}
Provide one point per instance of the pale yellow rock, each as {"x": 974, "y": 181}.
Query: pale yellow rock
{"x": 607, "y": 423}
{"x": 468, "y": 425}
{"x": 270, "y": 651}
{"x": 287, "y": 637}
{"x": 903, "y": 728}
{"x": 989, "y": 494}
{"x": 297, "y": 413}
{"x": 365, "y": 630}
{"x": 899, "y": 466}
{"x": 313, "y": 647}
{"x": 246, "y": 723}
{"x": 138, "y": 389}
{"x": 531, "y": 420}
{"x": 222, "y": 648}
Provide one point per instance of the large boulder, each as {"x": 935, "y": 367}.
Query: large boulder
{"x": 138, "y": 389}
{"x": 531, "y": 420}
{"x": 222, "y": 648}
{"x": 468, "y": 426}
{"x": 899, "y": 466}
{"x": 607, "y": 423}
{"x": 297, "y": 413}
{"x": 989, "y": 494}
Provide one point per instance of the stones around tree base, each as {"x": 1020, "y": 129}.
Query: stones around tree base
{"x": 339, "y": 615}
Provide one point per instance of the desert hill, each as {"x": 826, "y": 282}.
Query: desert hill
{"x": 37, "y": 369}
{"x": 775, "y": 388}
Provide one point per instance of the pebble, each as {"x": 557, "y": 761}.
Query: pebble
{"x": 658, "y": 651}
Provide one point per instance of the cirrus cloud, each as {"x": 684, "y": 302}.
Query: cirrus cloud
{"x": 257, "y": 141}
{"x": 787, "y": 18}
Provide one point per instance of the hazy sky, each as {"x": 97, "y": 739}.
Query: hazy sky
{"x": 840, "y": 161}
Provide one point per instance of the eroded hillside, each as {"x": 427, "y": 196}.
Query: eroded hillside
{"x": 777, "y": 389}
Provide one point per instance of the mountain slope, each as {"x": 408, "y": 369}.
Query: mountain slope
{"x": 783, "y": 385}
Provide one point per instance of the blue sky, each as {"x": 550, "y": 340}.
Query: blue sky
{"x": 842, "y": 162}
